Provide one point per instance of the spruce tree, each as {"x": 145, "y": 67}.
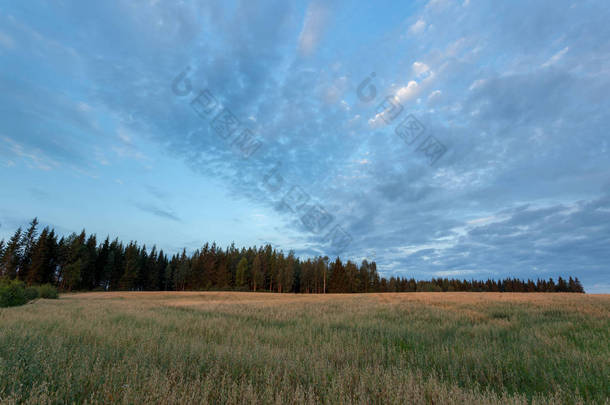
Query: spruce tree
{"x": 132, "y": 264}
{"x": 28, "y": 243}
{"x": 2, "y": 246}
{"x": 12, "y": 256}
{"x": 41, "y": 256}
{"x": 257, "y": 273}
{"x": 240, "y": 274}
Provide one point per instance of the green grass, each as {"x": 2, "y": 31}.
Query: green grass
{"x": 264, "y": 348}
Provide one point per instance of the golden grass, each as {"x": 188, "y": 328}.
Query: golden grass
{"x": 210, "y": 347}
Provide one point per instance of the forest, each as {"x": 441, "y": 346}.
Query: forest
{"x": 79, "y": 262}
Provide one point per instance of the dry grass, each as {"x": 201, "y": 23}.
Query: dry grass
{"x": 195, "y": 347}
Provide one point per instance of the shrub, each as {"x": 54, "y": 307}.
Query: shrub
{"x": 47, "y": 291}
{"x": 31, "y": 293}
{"x": 12, "y": 294}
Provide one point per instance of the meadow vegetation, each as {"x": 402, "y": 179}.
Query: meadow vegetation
{"x": 229, "y": 347}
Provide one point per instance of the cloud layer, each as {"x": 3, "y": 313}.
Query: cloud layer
{"x": 517, "y": 93}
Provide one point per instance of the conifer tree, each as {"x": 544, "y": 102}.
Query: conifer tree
{"x": 101, "y": 260}
{"x": 240, "y": 275}
{"x": 28, "y": 243}
{"x": 257, "y": 273}
{"x": 12, "y": 256}
{"x": 2, "y": 246}
{"x": 132, "y": 264}
{"x": 41, "y": 256}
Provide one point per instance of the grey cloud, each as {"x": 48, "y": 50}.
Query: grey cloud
{"x": 160, "y": 212}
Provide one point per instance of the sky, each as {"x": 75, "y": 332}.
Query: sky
{"x": 439, "y": 138}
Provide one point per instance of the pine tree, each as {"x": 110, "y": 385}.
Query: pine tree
{"x": 88, "y": 256}
{"x": 373, "y": 277}
{"x": 12, "y": 256}
{"x": 351, "y": 273}
{"x": 72, "y": 275}
{"x": 182, "y": 272}
{"x": 257, "y": 272}
{"x": 117, "y": 265}
{"x": 41, "y": 255}
{"x": 578, "y": 286}
{"x": 364, "y": 277}
{"x": 150, "y": 276}
{"x": 109, "y": 270}
{"x": 2, "y": 248}
{"x": 28, "y": 243}
{"x": 132, "y": 264}
{"x": 101, "y": 261}
{"x": 562, "y": 286}
{"x": 168, "y": 276}
{"x": 337, "y": 282}
{"x": 240, "y": 275}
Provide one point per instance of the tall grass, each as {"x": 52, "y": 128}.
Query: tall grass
{"x": 264, "y": 348}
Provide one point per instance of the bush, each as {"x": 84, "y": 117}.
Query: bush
{"x": 12, "y": 294}
{"x": 47, "y": 291}
{"x": 31, "y": 293}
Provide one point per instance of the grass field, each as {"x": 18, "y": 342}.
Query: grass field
{"x": 272, "y": 348}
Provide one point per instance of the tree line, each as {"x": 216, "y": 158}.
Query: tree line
{"x": 79, "y": 262}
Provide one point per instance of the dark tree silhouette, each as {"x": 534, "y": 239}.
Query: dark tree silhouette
{"x": 78, "y": 262}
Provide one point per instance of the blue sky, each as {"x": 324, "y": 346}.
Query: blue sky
{"x": 93, "y": 133}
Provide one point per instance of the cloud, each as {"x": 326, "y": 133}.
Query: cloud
{"x": 501, "y": 113}
{"x": 314, "y": 25}
{"x": 555, "y": 58}
{"x": 160, "y": 212}
{"x": 403, "y": 95}
{"x": 34, "y": 158}
{"x": 158, "y": 193}
{"x": 456, "y": 273}
{"x": 408, "y": 92}
{"x": 420, "y": 68}
{"x": 126, "y": 149}
{"x": 434, "y": 96}
{"x": 418, "y": 27}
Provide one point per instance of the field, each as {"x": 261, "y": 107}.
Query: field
{"x": 277, "y": 348}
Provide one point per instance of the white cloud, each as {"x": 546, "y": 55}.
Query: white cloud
{"x": 407, "y": 92}
{"x": 476, "y": 84}
{"x": 456, "y": 273}
{"x": 418, "y": 27}
{"x": 84, "y": 107}
{"x": 404, "y": 94}
{"x": 434, "y": 95}
{"x": 480, "y": 221}
{"x": 124, "y": 136}
{"x": 555, "y": 58}
{"x": 377, "y": 121}
{"x": 419, "y": 68}
{"x": 314, "y": 24}
{"x": 128, "y": 149}
{"x": 34, "y": 158}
